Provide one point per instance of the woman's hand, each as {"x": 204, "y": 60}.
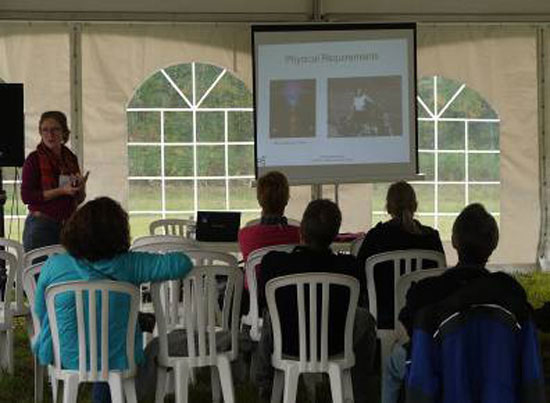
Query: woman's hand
{"x": 80, "y": 184}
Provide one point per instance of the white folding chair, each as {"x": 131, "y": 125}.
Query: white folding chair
{"x": 6, "y": 314}
{"x": 195, "y": 312}
{"x": 256, "y": 221}
{"x": 404, "y": 262}
{"x": 405, "y": 282}
{"x": 252, "y": 318}
{"x": 41, "y": 254}
{"x": 312, "y": 359}
{"x": 356, "y": 245}
{"x": 209, "y": 258}
{"x": 94, "y": 296}
{"x": 162, "y": 243}
{"x": 9, "y": 245}
{"x": 30, "y": 279}
{"x": 173, "y": 226}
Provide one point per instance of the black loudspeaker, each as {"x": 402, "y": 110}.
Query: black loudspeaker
{"x": 12, "y": 130}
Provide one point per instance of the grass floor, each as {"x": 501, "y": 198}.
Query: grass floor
{"x": 19, "y": 387}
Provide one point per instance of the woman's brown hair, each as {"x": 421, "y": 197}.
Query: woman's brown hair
{"x": 60, "y": 118}
{"x": 98, "y": 230}
{"x": 273, "y": 193}
{"x": 401, "y": 204}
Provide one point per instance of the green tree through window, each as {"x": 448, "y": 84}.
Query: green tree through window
{"x": 458, "y": 151}
{"x": 190, "y": 145}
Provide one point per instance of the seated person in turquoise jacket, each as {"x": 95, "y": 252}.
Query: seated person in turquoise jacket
{"x": 97, "y": 239}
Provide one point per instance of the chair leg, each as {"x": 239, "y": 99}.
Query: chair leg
{"x": 278, "y": 385}
{"x": 10, "y": 352}
{"x": 117, "y": 391}
{"x": 130, "y": 390}
{"x": 226, "y": 379}
{"x": 54, "y": 382}
{"x": 348, "y": 387}
{"x": 162, "y": 378}
{"x": 70, "y": 389}
{"x": 38, "y": 381}
{"x": 215, "y": 384}
{"x": 291, "y": 385}
{"x": 6, "y": 351}
{"x": 181, "y": 382}
{"x": 336, "y": 384}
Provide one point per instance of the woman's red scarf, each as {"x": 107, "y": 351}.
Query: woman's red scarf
{"x": 51, "y": 166}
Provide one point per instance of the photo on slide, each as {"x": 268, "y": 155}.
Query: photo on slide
{"x": 292, "y": 108}
{"x": 365, "y": 106}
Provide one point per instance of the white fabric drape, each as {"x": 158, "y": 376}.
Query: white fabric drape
{"x": 500, "y": 63}
{"x": 116, "y": 59}
{"x": 36, "y": 55}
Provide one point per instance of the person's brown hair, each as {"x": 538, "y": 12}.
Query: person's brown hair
{"x": 475, "y": 234}
{"x": 60, "y": 118}
{"x": 401, "y": 204}
{"x": 273, "y": 192}
{"x": 98, "y": 230}
{"x": 320, "y": 223}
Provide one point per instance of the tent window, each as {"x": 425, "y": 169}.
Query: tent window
{"x": 459, "y": 153}
{"x": 190, "y": 145}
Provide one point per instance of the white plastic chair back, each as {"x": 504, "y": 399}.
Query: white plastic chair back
{"x": 404, "y": 262}
{"x": 211, "y": 258}
{"x": 30, "y": 275}
{"x": 192, "y": 304}
{"x": 256, "y": 221}
{"x": 173, "y": 226}
{"x": 253, "y": 319}
{"x": 94, "y": 367}
{"x": 405, "y": 282}
{"x": 41, "y": 254}
{"x": 356, "y": 245}
{"x": 162, "y": 244}
{"x": 6, "y": 313}
{"x": 17, "y": 250}
{"x": 313, "y": 359}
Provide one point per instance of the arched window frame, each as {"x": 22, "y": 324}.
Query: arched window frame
{"x": 193, "y": 105}
{"x": 442, "y": 220}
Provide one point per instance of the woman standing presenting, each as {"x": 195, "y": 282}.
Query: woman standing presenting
{"x": 52, "y": 186}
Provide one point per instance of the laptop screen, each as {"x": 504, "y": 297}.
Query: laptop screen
{"x": 218, "y": 226}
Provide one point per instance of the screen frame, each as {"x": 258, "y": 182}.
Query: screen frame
{"x": 306, "y": 179}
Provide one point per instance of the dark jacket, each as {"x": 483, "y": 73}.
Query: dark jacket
{"x": 305, "y": 260}
{"x": 387, "y": 237}
{"x": 461, "y": 286}
{"x": 464, "y": 352}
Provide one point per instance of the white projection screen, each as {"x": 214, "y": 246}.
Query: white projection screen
{"x": 335, "y": 103}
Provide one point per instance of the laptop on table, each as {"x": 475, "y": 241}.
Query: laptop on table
{"x": 218, "y": 226}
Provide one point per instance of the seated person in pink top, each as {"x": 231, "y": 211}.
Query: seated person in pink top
{"x": 272, "y": 193}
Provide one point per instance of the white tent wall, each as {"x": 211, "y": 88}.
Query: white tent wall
{"x": 38, "y": 55}
{"x": 499, "y": 62}
{"x": 117, "y": 59}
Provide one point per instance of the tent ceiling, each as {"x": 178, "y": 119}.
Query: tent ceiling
{"x": 281, "y": 10}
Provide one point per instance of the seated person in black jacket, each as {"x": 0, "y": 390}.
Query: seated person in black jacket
{"x": 400, "y": 233}
{"x": 320, "y": 225}
{"x": 475, "y": 236}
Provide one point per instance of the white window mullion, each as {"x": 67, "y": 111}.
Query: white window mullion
{"x": 436, "y": 157}
{"x": 466, "y": 165}
{"x": 162, "y": 169}
{"x": 226, "y": 153}
{"x": 195, "y": 165}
